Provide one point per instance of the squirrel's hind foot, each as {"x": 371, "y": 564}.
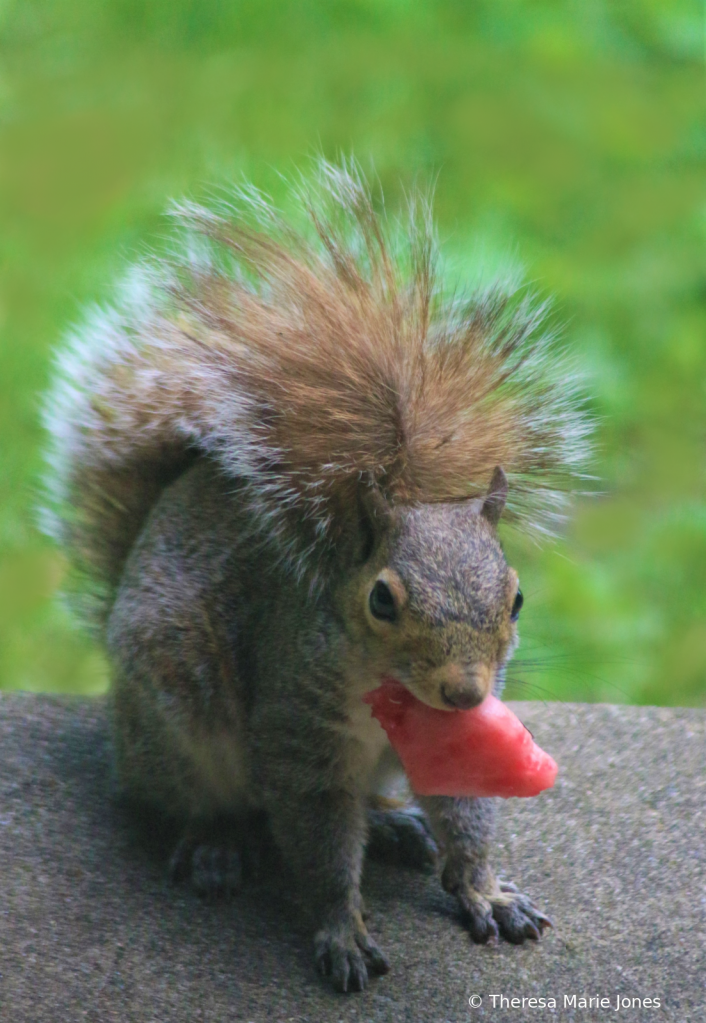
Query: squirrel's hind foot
{"x": 400, "y": 834}
{"x": 217, "y": 856}
{"x": 215, "y": 872}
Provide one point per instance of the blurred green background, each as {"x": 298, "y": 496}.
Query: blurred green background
{"x": 567, "y": 137}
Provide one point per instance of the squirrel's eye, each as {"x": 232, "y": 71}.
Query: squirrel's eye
{"x": 382, "y": 603}
{"x": 517, "y": 606}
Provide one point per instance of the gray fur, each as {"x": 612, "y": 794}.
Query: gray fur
{"x": 262, "y": 434}
{"x": 235, "y": 691}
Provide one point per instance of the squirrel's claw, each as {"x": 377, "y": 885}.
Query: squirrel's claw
{"x": 509, "y": 914}
{"x": 347, "y": 956}
{"x": 519, "y": 918}
{"x": 345, "y": 967}
{"x": 376, "y": 958}
{"x": 477, "y": 914}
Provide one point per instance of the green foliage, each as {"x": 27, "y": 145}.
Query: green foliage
{"x": 567, "y": 135}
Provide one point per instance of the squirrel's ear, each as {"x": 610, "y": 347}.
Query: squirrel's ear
{"x": 374, "y": 515}
{"x": 496, "y": 497}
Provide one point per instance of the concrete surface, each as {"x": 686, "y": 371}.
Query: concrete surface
{"x": 615, "y": 854}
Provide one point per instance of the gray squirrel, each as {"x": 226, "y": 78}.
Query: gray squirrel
{"x": 279, "y": 466}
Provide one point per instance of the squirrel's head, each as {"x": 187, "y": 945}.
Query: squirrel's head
{"x": 432, "y": 598}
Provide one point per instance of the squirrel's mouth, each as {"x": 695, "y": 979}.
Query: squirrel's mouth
{"x": 436, "y": 700}
{"x": 452, "y": 689}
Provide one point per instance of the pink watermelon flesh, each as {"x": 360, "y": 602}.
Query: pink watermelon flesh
{"x": 486, "y": 751}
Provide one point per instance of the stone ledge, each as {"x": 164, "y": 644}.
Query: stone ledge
{"x": 615, "y": 853}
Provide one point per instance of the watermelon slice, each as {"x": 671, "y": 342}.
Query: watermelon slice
{"x": 486, "y": 751}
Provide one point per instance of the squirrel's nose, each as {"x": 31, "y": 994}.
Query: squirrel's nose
{"x": 462, "y": 699}
{"x": 464, "y": 689}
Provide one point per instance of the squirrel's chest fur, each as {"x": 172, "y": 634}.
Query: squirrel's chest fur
{"x": 372, "y": 764}
{"x": 367, "y": 740}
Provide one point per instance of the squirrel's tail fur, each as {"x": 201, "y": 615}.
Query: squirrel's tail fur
{"x": 308, "y": 364}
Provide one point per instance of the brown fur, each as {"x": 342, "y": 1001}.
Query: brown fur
{"x": 308, "y": 365}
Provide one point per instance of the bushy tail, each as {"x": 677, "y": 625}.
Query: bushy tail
{"x": 307, "y": 364}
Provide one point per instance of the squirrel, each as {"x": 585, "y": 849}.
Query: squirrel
{"x": 279, "y": 464}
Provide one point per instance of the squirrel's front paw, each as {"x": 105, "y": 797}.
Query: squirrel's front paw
{"x": 517, "y": 916}
{"x": 346, "y": 953}
{"x": 501, "y": 910}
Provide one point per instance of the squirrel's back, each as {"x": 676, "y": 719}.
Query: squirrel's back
{"x": 308, "y": 365}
